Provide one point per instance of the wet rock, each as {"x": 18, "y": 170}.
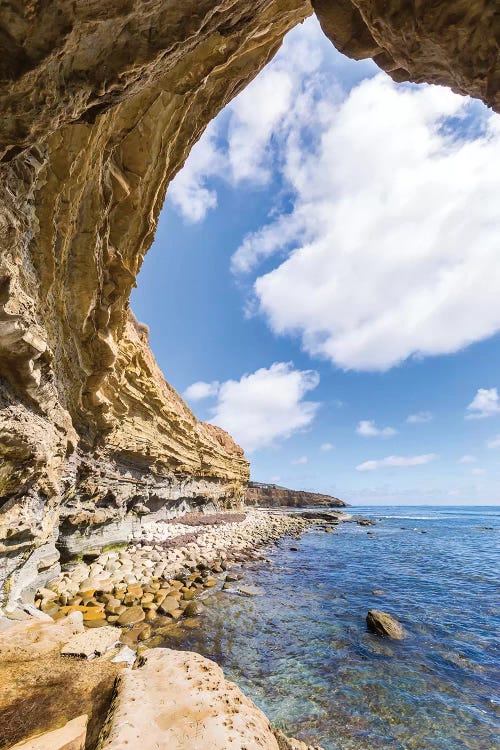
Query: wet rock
{"x": 194, "y": 608}
{"x": 168, "y": 605}
{"x": 131, "y": 616}
{"x": 249, "y": 591}
{"x": 145, "y": 633}
{"x": 381, "y": 623}
{"x": 290, "y": 743}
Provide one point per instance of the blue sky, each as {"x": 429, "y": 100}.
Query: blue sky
{"x": 325, "y": 267}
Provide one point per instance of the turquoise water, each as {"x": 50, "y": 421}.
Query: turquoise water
{"x": 303, "y": 654}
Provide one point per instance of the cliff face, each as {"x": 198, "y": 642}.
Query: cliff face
{"x": 272, "y": 496}
{"x": 101, "y": 103}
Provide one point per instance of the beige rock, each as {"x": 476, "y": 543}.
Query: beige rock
{"x": 182, "y": 700}
{"x": 69, "y": 737}
{"x": 290, "y": 743}
{"x": 34, "y": 639}
{"x": 169, "y": 604}
{"x": 92, "y": 642}
{"x": 453, "y": 44}
{"x": 384, "y": 624}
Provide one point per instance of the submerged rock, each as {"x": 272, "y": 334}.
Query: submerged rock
{"x": 381, "y": 623}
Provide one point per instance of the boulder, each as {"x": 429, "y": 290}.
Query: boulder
{"x": 384, "y": 624}
{"x": 131, "y": 616}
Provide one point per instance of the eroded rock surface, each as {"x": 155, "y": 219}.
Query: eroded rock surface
{"x": 181, "y": 700}
{"x": 101, "y": 104}
{"x": 69, "y": 737}
{"x": 381, "y": 623}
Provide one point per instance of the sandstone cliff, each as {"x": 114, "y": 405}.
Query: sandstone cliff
{"x": 272, "y": 496}
{"x": 101, "y": 103}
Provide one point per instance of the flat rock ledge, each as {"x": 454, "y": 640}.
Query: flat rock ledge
{"x": 181, "y": 700}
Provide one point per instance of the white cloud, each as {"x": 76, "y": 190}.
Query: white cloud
{"x": 485, "y": 403}
{"x": 404, "y": 212}
{"x": 368, "y": 428}
{"x": 200, "y": 390}
{"x": 478, "y": 472}
{"x": 467, "y": 459}
{"x": 393, "y": 191}
{"x": 327, "y": 447}
{"x": 421, "y": 417}
{"x": 237, "y": 146}
{"x": 300, "y": 460}
{"x": 267, "y": 405}
{"x": 396, "y": 461}
{"x": 494, "y": 442}
{"x": 188, "y": 191}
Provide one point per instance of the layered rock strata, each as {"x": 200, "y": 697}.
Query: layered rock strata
{"x": 101, "y": 103}
{"x": 100, "y": 107}
{"x": 273, "y": 496}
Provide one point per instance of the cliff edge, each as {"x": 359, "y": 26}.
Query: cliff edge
{"x": 273, "y": 496}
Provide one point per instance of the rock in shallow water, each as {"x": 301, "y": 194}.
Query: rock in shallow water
{"x": 131, "y": 616}
{"x": 383, "y": 624}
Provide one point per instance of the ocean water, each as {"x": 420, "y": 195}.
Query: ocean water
{"x": 302, "y": 652}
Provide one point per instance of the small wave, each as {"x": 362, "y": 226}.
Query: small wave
{"x": 417, "y": 518}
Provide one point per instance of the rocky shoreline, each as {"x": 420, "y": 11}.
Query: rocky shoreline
{"x": 145, "y": 594}
{"x": 151, "y": 585}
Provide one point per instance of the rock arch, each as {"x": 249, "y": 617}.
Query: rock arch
{"x": 101, "y": 103}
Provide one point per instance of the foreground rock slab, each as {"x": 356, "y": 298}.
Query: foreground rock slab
{"x": 181, "y": 700}
{"x": 383, "y": 624}
{"x": 69, "y": 737}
